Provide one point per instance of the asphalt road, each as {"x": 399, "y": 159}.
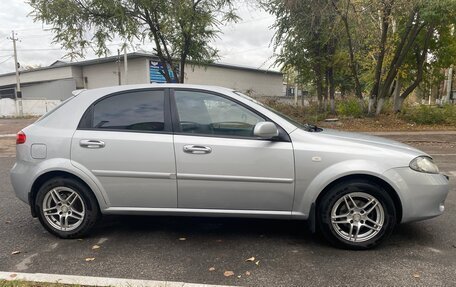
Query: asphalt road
{"x": 422, "y": 253}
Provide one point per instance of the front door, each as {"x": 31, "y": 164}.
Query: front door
{"x": 125, "y": 141}
{"x": 220, "y": 164}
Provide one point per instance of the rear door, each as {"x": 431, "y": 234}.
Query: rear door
{"x": 125, "y": 140}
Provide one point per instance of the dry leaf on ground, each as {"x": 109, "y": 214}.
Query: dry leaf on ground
{"x": 95, "y": 247}
{"x": 89, "y": 259}
{"x": 251, "y": 259}
{"x": 212, "y": 269}
{"x": 257, "y": 263}
{"x": 416, "y": 275}
{"x": 247, "y": 273}
{"x": 15, "y": 252}
{"x": 228, "y": 273}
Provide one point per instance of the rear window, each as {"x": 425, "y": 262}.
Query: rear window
{"x": 133, "y": 111}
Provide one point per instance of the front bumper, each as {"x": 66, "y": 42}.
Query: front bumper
{"x": 422, "y": 194}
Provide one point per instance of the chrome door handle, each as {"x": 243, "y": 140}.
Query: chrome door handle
{"x": 197, "y": 149}
{"x": 92, "y": 143}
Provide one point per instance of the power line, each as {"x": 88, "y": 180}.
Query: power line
{"x": 50, "y": 49}
{"x": 27, "y": 29}
{"x": 28, "y": 50}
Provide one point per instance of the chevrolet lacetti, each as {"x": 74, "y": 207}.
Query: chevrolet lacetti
{"x": 176, "y": 149}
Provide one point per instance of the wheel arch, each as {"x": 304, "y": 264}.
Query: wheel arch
{"x": 388, "y": 188}
{"x": 41, "y": 179}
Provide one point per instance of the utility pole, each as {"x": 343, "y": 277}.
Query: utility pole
{"x": 125, "y": 65}
{"x": 118, "y": 67}
{"x": 18, "y": 83}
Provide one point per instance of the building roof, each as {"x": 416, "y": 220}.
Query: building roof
{"x": 134, "y": 55}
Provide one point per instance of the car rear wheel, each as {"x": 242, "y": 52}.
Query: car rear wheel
{"x": 356, "y": 214}
{"x": 66, "y": 207}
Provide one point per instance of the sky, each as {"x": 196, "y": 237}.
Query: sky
{"x": 246, "y": 43}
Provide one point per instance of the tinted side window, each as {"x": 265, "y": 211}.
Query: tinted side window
{"x": 137, "y": 111}
{"x": 204, "y": 113}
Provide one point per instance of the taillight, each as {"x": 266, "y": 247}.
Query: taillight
{"x": 20, "y": 137}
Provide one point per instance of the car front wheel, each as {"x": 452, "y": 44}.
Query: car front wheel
{"x": 66, "y": 207}
{"x": 356, "y": 214}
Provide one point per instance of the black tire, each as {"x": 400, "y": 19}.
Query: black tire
{"x": 355, "y": 187}
{"x": 91, "y": 209}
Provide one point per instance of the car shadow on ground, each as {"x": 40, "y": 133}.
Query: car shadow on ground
{"x": 297, "y": 230}
{"x": 211, "y": 228}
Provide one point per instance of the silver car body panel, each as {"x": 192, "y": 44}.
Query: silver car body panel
{"x": 241, "y": 177}
{"x": 134, "y": 168}
{"x": 248, "y": 179}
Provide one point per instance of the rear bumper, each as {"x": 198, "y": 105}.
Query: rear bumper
{"x": 422, "y": 195}
{"x": 22, "y": 178}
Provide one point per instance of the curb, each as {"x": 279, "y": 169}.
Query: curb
{"x": 411, "y": 133}
{"x": 94, "y": 281}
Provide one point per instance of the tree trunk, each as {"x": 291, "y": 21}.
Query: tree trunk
{"x": 182, "y": 69}
{"x": 319, "y": 84}
{"x": 326, "y": 90}
{"x": 353, "y": 62}
{"x": 420, "y": 60}
{"x": 397, "y": 97}
{"x": 379, "y": 108}
{"x": 380, "y": 57}
{"x": 371, "y": 105}
{"x": 332, "y": 90}
{"x": 400, "y": 57}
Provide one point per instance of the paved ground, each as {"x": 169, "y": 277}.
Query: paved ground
{"x": 422, "y": 253}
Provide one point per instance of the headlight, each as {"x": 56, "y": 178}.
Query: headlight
{"x": 424, "y": 164}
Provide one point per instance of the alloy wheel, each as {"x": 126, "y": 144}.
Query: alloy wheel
{"x": 63, "y": 208}
{"x": 357, "y": 217}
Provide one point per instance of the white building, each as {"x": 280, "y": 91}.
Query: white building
{"x": 57, "y": 81}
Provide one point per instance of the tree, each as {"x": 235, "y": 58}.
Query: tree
{"x": 181, "y": 30}
{"x": 344, "y": 14}
{"x": 418, "y": 42}
{"x": 306, "y": 38}
{"x": 380, "y": 48}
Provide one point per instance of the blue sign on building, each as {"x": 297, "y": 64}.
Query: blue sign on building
{"x": 156, "y": 72}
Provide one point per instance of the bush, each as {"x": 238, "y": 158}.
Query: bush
{"x": 307, "y": 114}
{"x": 350, "y": 108}
{"x": 430, "y": 115}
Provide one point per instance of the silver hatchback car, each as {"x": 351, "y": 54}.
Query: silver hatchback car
{"x": 179, "y": 149}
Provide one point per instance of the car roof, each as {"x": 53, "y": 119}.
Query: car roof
{"x": 113, "y": 89}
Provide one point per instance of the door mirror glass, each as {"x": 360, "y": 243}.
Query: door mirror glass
{"x": 265, "y": 130}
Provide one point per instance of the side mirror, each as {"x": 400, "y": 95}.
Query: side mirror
{"x": 265, "y": 130}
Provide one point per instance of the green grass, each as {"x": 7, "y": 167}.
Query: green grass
{"x": 430, "y": 115}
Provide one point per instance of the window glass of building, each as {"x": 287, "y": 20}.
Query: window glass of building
{"x": 208, "y": 114}
{"x": 134, "y": 111}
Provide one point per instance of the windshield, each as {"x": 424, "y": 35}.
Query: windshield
{"x": 306, "y": 126}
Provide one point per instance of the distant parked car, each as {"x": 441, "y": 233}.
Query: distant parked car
{"x": 209, "y": 151}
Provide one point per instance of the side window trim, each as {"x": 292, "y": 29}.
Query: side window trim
{"x": 86, "y": 121}
{"x": 283, "y": 135}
